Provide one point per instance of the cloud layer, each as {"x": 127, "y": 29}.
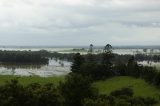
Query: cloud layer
{"x": 79, "y": 22}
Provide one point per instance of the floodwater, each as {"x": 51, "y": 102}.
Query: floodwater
{"x": 150, "y": 63}
{"x": 70, "y": 50}
{"x": 58, "y": 67}
{"x": 54, "y": 68}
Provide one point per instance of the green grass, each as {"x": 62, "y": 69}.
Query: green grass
{"x": 158, "y": 67}
{"x": 33, "y": 79}
{"x": 139, "y": 86}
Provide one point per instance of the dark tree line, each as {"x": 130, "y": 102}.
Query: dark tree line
{"x": 14, "y": 94}
{"x": 89, "y": 66}
{"x": 32, "y": 57}
{"x": 122, "y": 97}
{"x": 43, "y": 57}
{"x": 144, "y": 57}
{"x": 71, "y": 92}
{"x": 76, "y": 90}
{"x": 23, "y": 57}
{"x": 148, "y": 73}
{"x": 106, "y": 67}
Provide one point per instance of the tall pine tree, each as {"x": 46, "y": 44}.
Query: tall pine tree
{"x": 78, "y": 60}
{"x": 107, "y": 57}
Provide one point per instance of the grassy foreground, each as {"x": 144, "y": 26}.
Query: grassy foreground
{"x": 139, "y": 86}
{"x": 33, "y": 79}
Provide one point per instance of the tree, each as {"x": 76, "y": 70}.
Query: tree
{"x": 123, "y": 92}
{"x": 75, "y": 89}
{"x": 46, "y": 95}
{"x": 133, "y": 68}
{"x": 149, "y": 74}
{"x": 13, "y": 94}
{"x": 78, "y": 60}
{"x": 120, "y": 69}
{"x": 107, "y": 57}
{"x": 90, "y": 56}
{"x": 157, "y": 79}
{"x": 93, "y": 70}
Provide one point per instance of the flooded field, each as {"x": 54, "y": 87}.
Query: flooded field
{"x": 150, "y": 63}
{"x": 55, "y": 67}
{"x": 58, "y": 67}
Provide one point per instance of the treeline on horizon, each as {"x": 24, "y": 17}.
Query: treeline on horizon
{"x": 32, "y": 57}
{"x": 43, "y": 56}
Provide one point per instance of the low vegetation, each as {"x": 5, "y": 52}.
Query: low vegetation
{"x": 139, "y": 86}
{"x": 32, "y": 79}
{"x": 76, "y": 90}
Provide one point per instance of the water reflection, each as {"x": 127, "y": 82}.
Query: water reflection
{"x": 55, "y": 67}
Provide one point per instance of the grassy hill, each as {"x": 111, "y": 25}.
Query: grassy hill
{"x": 139, "y": 86}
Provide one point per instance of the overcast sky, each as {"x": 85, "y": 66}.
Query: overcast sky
{"x": 79, "y": 22}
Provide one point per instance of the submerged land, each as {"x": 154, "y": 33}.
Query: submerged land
{"x": 128, "y": 76}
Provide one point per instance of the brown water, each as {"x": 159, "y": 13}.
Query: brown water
{"x": 57, "y": 67}
{"x": 53, "y": 68}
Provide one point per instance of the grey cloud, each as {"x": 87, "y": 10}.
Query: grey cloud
{"x": 97, "y": 21}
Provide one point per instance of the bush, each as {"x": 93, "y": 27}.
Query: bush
{"x": 75, "y": 89}
{"x": 14, "y": 94}
{"x": 123, "y": 92}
